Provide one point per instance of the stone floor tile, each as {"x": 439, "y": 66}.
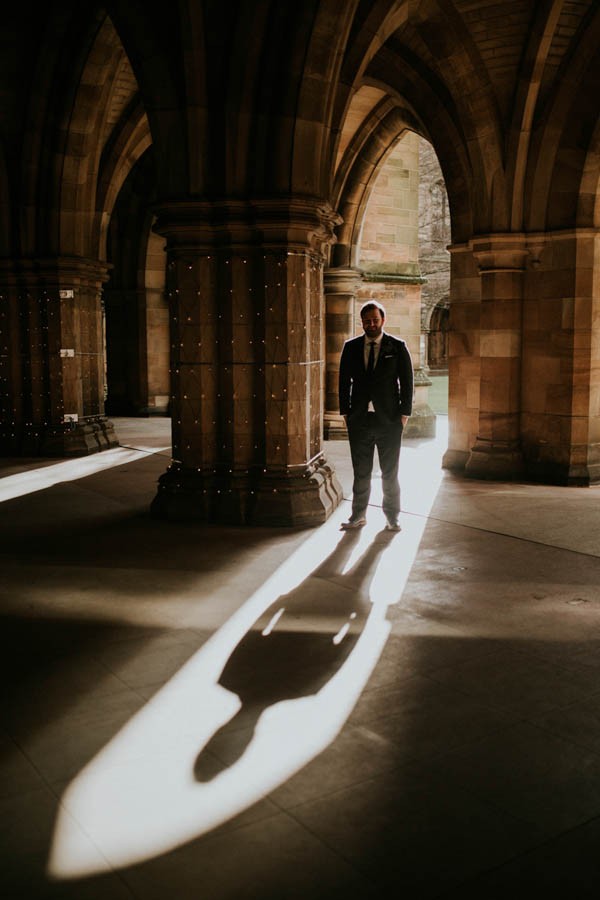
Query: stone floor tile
{"x": 17, "y": 774}
{"x": 532, "y": 775}
{"x": 425, "y": 719}
{"x": 138, "y": 663}
{"x": 61, "y": 747}
{"x": 269, "y": 860}
{"x": 517, "y": 682}
{"x": 415, "y": 835}
{"x": 356, "y": 755}
{"x": 26, "y": 827}
{"x": 568, "y": 866}
{"x": 578, "y": 723}
{"x": 407, "y": 654}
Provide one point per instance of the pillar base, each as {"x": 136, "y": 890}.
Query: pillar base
{"x": 565, "y": 474}
{"x": 90, "y": 435}
{"x": 496, "y": 461}
{"x": 303, "y": 496}
{"x": 421, "y": 423}
{"x": 455, "y": 460}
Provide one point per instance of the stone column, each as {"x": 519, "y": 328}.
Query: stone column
{"x": 52, "y": 386}
{"x": 341, "y": 287}
{"x": 497, "y": 452}
{"x": 245, "y": 288}
{"x": 464, "y": 364}
{"x": 560, "y": 419}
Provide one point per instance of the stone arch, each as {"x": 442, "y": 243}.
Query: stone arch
{"x": 128, "y": 144}
{"x": 78, "y": 149}
{"x": 229, "y": 120}
{"x": 535, "y": 58}
{"x": 588, "y": 210}
{"x": 386, "y": 146}
{"x": 82, "y": 150}
{"x": 103, "y": 139}
{"x": 434, "y": 259}
{"x": 463, "y": 101}
{"x": 438, "y": 328}
{"x": 462, "y": 122}
{"x": 66, "y": 141}
{"x": 387, "y": 239}
{"x": 165, "y": 48}
{"x": 314, "y": 143}
{"x": 55, "y": 80}
{"x": 137, "y": 343}
{"x": 457, "y": 150}
{"x": 366, "y": 154}
{"x": 373, "y": 24}
{"x": 561, "y": 153}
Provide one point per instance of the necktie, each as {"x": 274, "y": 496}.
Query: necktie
{"x": 371, "y": 361}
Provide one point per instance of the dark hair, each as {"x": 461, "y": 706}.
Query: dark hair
{"x": 372, "y": 304}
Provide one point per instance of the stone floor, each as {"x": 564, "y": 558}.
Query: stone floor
{"x": 262, "y": 714}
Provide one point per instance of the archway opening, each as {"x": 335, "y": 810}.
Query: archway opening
{"x": 402, "y": 253}
{"x": 137, "y": 322}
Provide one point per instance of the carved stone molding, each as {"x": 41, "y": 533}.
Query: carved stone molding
{"x": 296, "y": 223}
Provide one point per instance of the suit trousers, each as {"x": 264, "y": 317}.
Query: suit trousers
{"x": 366, "y": 432}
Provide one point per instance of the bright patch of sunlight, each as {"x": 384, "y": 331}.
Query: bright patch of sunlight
{"x": 144, "y": 794}
{"x": 29, "y": 481}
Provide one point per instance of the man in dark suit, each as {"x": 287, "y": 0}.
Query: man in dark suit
{"x": 376, "y": 393}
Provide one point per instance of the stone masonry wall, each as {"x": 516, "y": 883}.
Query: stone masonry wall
{"x": 434, "y": 235}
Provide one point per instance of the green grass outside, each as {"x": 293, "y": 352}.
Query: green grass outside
{"x": 438, "y": 394}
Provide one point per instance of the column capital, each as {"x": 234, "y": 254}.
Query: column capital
{"x": 292, "y": 223}
{"x": 57, "y": 269}
{"x": 500, "y": 252}
{"x": 516, "y": 252}
{"x": 342, "y": 280}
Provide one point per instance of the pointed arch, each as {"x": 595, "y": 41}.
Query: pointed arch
{"x": 82, "y": 151}
{"x": 66, "y": 142}
{"x": 129, "y": 141}
{"x": 526, "y": 99}
{"x": 588, "y": 208}
{"x": 363, "y": 159}
{"x": 563, "y": 137}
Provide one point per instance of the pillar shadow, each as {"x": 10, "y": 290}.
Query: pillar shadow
{"x": 294, "y": 648}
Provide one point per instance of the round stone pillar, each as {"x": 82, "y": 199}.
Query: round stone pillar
{"x": 497, "y": 452}
{"x": 422, "y": 421}
{"x": 245, "y": 289}
{"x": 341, "y": 287}
{"x": 52, "y": 395}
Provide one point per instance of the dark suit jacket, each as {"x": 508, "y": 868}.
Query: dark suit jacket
{"x": 390, "y": 387}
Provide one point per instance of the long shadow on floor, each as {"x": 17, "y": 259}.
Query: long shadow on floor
{"x": 294, "y": 648}
{"x": 60, "y": 706}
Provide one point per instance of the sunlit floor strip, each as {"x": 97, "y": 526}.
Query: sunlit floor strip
{"x": 29, "y": 481}
{"x": 142, "y": 796}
